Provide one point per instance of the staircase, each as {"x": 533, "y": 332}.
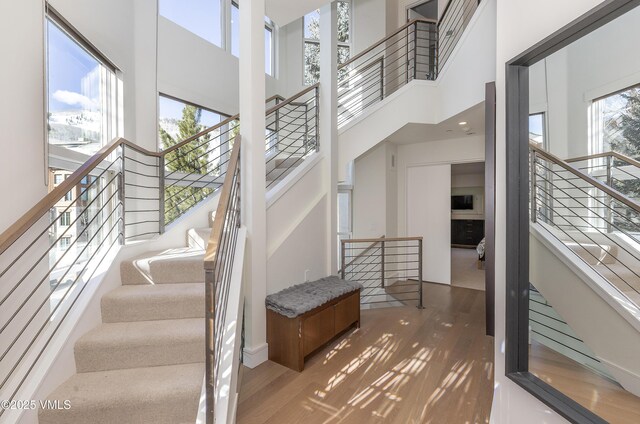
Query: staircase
{"x": 145, "y": 362}
{"x": 585, "y": 240}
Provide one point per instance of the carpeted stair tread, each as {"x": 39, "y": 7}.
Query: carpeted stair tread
{"x": 141, "y": 344}
{"x": 158, "y": 395}
{"x": 169, "y": 266}
{"x": 153, "y": 302}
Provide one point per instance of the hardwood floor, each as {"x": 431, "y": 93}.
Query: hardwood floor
{"x": 598, "y": 394}
{"x": 403, "y": 365}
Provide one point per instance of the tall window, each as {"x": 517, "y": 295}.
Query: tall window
{"x": 617, "y": 122}
{"x": 235, "y": 29}
{"x": 82, "y": 88}
{"x": 201, "y": 17}
{"x": 269, "y": 50}
{"x": 311, "y": 34}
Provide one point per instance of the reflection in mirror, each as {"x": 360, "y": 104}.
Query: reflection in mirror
{"x": 584, "y": 239}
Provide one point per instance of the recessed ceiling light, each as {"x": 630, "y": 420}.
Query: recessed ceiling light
{"x": 462, "y": 123}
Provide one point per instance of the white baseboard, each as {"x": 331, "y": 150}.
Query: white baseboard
{"x": 629, "y": 380}
{"x": 252, "y": 357}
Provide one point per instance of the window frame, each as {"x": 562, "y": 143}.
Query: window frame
{"x": 269, "y": 26}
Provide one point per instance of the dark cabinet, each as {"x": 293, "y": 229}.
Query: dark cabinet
{"x": 466, "y": 232}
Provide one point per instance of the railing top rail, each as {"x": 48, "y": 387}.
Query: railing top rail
{"x": 292, "y": 98}
{"x": 225, "y": 197}
{"x": 385, "y": 39}
{"x": 385, "y": 239}
{"x": 274, "y": 97}
{"x": 26, "y": 221}
{"x": 200, "y": 134}
{"x": 616, "y": 155}
{"x": 611, "y": 192}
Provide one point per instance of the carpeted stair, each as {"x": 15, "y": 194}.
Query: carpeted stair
{"x": 145, "y": 363}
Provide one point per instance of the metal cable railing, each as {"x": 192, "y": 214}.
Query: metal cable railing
{"x": 453, "y": 22}
{"x": 601, "y": 225}
{"x": 389, "y": 269}
{"x": 123, "y": 193}
{"x": 292, "y": 133}
{"x": 218, "y": 265}
{"x": 614, "y": 169}
{"x": 371, "y": 76}
{"x": 50, "y": 255}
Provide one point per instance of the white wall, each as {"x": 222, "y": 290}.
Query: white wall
{"x": 520, "y": 24}
{"x": 22, "y": 108}
{"x": 193, "y": 69}
{"x": 296, "y": 230}
{"x": 596, "y": 65}
{"x": 429, "y": 216}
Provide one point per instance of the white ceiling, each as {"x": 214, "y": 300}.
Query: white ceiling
{"x": 283, "y": 12}
{"x": 418, "y": 133}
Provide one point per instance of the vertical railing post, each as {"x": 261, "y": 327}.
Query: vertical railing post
{"x": 121, "y": 195}
{"x": 306, "y": 128}
{"x": 415, "y": 51}
{"x": 532, "y": 180}
{"x": 420, "y": 302}
{"x": 382, "y": 265}
{"x": 277, "y": 134}
{"x": 317, "y": 142}
{"x": 342, "y": 259}
{"x": 609, "y": 203}
{"x": 210, "y": 314}
{"x": 161, "y": 194}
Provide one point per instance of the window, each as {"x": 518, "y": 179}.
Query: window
{"x": 235, "y": 29}
{"x": 173, "y": 112}
{"x": 69, "y": 196}
{"x": 201, "y": 17}
{"x": 81, "y": 97}
{"x": 268, "y": 50}
{"x": 65, "y": 219}
{"x": 65, "y": 242}
{"x": 537, "y": 129}
{"x": 617, "y": 119}
{"x": 58, "y": 178}
{"x": 311, "y": 35}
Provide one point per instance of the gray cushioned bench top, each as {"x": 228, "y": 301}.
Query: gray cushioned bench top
{"x": 296, "y": 300}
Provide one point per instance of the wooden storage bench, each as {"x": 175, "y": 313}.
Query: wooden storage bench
{"x": 293, "y": 339}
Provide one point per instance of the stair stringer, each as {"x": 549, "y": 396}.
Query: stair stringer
{"x": 607, "y": 322}
{"x": 58, "y": 362}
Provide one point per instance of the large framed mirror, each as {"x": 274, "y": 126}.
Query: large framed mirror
{"x": 573, "y": 217}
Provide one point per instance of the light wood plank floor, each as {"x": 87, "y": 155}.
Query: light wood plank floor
{"x": 403, "y": 365}
{"x": 598, "y": 394}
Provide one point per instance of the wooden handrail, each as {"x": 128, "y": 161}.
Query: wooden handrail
{"x": 292, "y": 98}
{"x": 26, "y": 221}
{"x": 385, "y": 39}
{"x": 200, "y": 134}
{"x": 616, "y": 155}
{"x": 616, "y": 195}
{"x": 274, "y": 97}
{"x": 225, "y": 197}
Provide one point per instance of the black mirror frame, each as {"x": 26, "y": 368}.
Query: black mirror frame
{"x": 517, "y": 180}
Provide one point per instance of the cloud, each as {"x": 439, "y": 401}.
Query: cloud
{"x": 73, "y": 98}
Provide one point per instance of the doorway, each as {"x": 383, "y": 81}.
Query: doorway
{"x": 467, "y": 225}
